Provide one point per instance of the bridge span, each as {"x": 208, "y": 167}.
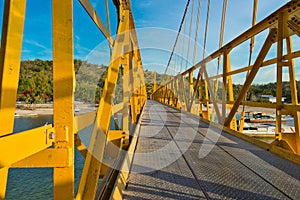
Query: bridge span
{"x": 137, "y": 150}
{"x": 175, "y": 158}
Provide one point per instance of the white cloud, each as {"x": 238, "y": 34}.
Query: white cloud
{"x": 36, "y": 43}
{"x": 144, "y": 4}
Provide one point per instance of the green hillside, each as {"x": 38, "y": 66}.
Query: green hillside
{"x": 36, "y": 84}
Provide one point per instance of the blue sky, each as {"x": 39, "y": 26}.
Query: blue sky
{"x": 157, "y": 22}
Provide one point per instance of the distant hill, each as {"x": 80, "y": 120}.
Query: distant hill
{"x": 36, "y": 81}
{"x": 36, "y": 84}
{"x": 257, "y": 90}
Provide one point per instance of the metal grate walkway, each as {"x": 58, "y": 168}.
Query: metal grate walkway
{"x": 178, "y": 157}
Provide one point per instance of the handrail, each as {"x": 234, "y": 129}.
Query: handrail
{"x": 53, "y": 145}
{"x": 279, "y": 24}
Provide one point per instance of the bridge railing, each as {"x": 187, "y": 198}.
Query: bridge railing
{"x": 52, "y": 146}
{"x": 211, "y": 95}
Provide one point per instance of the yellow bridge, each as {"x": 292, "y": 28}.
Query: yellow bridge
{"x": 187, "y": 142}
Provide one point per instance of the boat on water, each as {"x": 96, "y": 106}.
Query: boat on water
{"x": 260, "y": 124}
{"x": 265, "y": 129}
{"x": 261, "y": 117}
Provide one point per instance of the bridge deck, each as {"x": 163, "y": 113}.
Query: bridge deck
{"x": 174, "y": 160}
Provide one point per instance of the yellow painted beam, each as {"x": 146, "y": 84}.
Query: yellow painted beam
{"x": 117, "y": 134}
{"x": 154, "y": 82}
{"x": 265, "y": 49}
{"x": 121, "y": 181}
{"x": 196, "y": 87}
{"x": 21, "y": 145}
{"x": 10, "y": 56}
{"x": 226, "y": 62}
{"x": 293, "y": 87}
{"x": 63, "y": 94}
{"x": 279, "y": 75}
{"x": 191, "y": 91}
{"x": 292, "y": 74}
{"x": 266, "y": 63}
{"x": 84, "y": 120}
{"x": 117, "y": 108}
{"x": 92, "y": 166}
{"x": 96, "y": 19}
{"x": 288, "y": 107}
{"x": 3, "y": 181}
{"x": 126, "y": 84}
{"x": 212, "y": 97}
{"x": 297, "y": 128}
{"x": 80, "y": 146}
{"x": 269, "y": 22}
{"x": 47, "y": 158}
{"x": 229, "y": 87}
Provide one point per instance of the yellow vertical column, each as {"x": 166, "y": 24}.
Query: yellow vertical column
{"x": 207, "y": 115}
{"x": 279, "y": 76}
{"x": 154, "y": 81}
{"x": 140, "y": 93}
{"x": 133, "y": 101}
{"x": 136, "y": 82}
{"x": 224, "y": 89}
{"x": 63, "y": 93}
{"x": 191, "y": 92}
{"x": 169, "y": 92}
{"x": 172, "y": 94}
{"x": 10, "y": 54}
{"x": 200, "y": 97}
{"x": 92, "y": 166}
{"x": 126, "y": 78}
{"x": 233, "y": 124}
{"x": 177, "y": 92}
{"x": 294, "y": 96}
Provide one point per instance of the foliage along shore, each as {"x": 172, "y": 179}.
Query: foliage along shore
{"x": 36, "y": 83}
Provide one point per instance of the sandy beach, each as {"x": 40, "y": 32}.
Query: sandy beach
{"x": 30, "y": 110}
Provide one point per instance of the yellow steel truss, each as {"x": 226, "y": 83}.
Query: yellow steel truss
{"x": 282, "y": 26}
{"x": 52, "y": 146}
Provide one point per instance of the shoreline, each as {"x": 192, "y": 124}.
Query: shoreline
{"x": 35, "y": 110}
{"x": 31, "y": 110}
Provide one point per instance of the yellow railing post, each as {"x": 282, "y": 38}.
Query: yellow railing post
{"x": 294, "y": 96}
{"x": 262, "y": 54}
{"x": 127, "y": 64}
{"x": 191, "y": 92}
{"x": 227, "y": 83}
{"x": 281, "y": 24}
{"x": 92, "y": 166}
{"x": 63, "y": 93}
{"x": 279, "y": 76}
{"x": 10, "y": 56}
{"x": 154, "y": 81}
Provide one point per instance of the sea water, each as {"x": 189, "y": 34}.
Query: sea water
{"x": 35, "y": 184}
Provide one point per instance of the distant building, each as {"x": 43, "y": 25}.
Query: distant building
{"x": 270, "y": 98}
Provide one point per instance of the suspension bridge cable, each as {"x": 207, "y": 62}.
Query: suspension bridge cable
{"x": 190, "y": 35}
{"x": 180, "y": 27}
{"x": 222, "y": 29}
{"x": 197, "y": 31}
{"x": 108, "y": 23}
{"x": 223, "y": 23}
{"x": 255, "y": 5}
{"x": 107, "y": 16}
{"x": 206, "y": 27}
{"x": 183, "y": 45}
